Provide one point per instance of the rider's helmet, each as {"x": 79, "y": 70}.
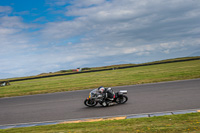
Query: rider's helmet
{"x": 101, "y": 89}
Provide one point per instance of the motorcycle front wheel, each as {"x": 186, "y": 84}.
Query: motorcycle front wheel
{"x": 122, "y": 99}
{"x": 90, "y": 103}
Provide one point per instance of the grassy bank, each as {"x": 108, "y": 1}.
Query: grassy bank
{"x": 102, "y": 68}
{"x": 118, "y": 77}
{"x": 163, "y": 124}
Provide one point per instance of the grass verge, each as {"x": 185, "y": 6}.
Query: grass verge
{"x": 118, "y": 77}
{"x": 183, "y": 123}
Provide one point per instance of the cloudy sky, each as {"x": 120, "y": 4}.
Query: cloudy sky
{"x": 40, "y": 36}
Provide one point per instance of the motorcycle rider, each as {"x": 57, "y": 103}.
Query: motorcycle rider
{"x": 108, "y": 93}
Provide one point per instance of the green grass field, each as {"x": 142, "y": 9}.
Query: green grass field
{"x": 185, "y": 123}
{"x": 118, "y": 77}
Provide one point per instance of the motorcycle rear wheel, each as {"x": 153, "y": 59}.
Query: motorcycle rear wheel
{"x": 90, "y": 103}
{"x": 122, "y": 99}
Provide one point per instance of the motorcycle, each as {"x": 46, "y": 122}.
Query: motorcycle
{"x": 95, "y": 97}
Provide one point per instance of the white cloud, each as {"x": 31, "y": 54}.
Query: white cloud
{"x": 61, "y": 30}
{"x": 16, "y": 44}
{"x": 56, "y": 2}
{"x": 125, "y": 20}
{"x": 5, "y": 9}
{"x": 86, "y": 3}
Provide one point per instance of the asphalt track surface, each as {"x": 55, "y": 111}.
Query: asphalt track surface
{"x": 146, "y": 98}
